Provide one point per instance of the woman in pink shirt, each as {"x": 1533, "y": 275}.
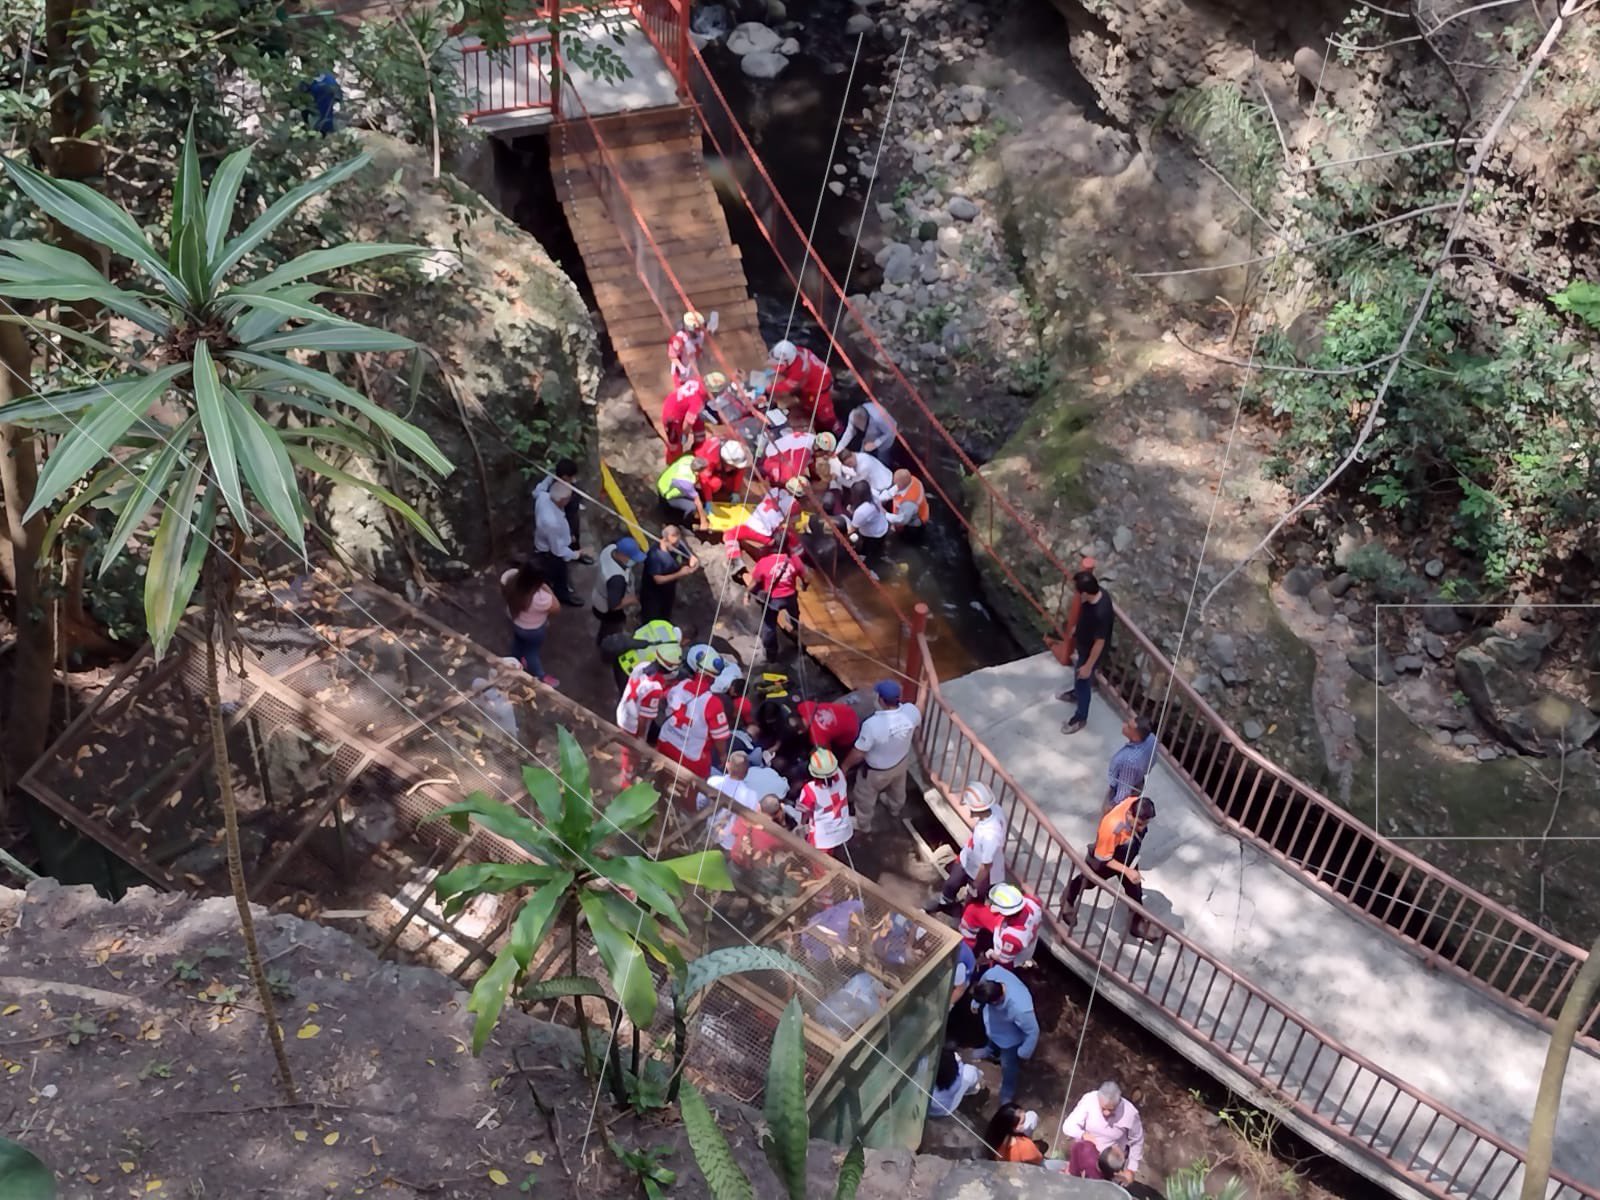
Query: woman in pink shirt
{"x": 529, "y": 603}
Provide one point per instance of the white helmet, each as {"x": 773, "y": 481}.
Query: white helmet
{"x": 784, "y": 353}
{"x": 693, "y": 321}
{"x": 796, "y": 487}
{"x": 734, "y": 455}
{"x": 1005, "y": 899}
{"x": 977, "y": 796}
{"x": 824, "y": 442}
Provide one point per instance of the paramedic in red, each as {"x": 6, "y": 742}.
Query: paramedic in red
{"x": 831, "y": 726}
{"x": 683, "y": 415}
{"x": 775, "y": 583}
{"x": 765, "y": 522}
{"x": 726, "y": 475}
{"x": 684, "y": 349}
{"x": 694, "y": 725}
{"x": 642, "y": 697}
{"x": 800, "y": 374}
{"x": 825, "y": 805}
{"x": 1004, "y": 928}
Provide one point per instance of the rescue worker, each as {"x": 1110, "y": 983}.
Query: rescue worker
{"x": 724, "y": 478}
{"x": 789, "y": 455}
{"x": 1117, "y": 843}
{"x": 908, "y": 504}
{"x": 695, "y": 728}
{"x": 679, "y": 489}
{"x": 683, "y": 417}
{"x": 775, "y": 581}
{"x": 645, "y": 644}
{"x": 772, "y": 515}
{"x": 1005, "y": 928}
{"x": 825, "y": 805}
{"x": 683, "y": 350}
{"x": 802, "y": 376}
{"x": 871, "y": 422}
{"x": 981, "y": 863}
{"x": 725, "y": 400}
{"x": 831, "y": 726}
{"x": 647, "y": 686}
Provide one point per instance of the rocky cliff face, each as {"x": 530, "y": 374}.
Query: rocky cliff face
{"x": 510, "y": 377}
{"x": 147, "y": 1067}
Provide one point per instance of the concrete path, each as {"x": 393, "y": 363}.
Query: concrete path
{"x": 1461, "y": 1048}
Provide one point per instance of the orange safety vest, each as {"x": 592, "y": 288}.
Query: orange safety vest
{"x": 1116, "y": 828}
{"x": 913, "y": 492}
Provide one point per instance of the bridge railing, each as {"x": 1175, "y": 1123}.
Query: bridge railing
{"x": 1448, "y": 923}
{"x": 1292, "y": 1063}
{"x": 514, "y": 79}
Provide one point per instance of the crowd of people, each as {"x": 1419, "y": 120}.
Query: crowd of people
{"x": 766, "y": 463}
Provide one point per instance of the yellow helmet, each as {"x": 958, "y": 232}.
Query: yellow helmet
{"x": 693, "y": 321}
{"x": 716, "y": 381}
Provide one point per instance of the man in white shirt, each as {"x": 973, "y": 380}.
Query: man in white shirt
{"x": 851, "y": 465}
{"x": 981, "y": 863}
{"x": 1105, "y": 1119}
{"x": 552, "y": 539}
{"x": 884, "y": 744}
{"x": 871, "y": 422}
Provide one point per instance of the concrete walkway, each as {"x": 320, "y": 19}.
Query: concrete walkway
{"x": 1455, "y": 1045}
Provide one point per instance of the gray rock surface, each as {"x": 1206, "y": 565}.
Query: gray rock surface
{"x": 1299, "y": 581}
{"x": 1223, "y": 649}
{"x": 1374, "y": 666}
{"x": 1495, "y": 674}
{"x": 752, "y": 37}
{"x": 763, "y": 64}
{"x": 963, "y": 209}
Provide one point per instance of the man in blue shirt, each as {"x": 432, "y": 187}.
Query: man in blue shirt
{"x": 1009, "y": 1020}
{"x": 1126, "y": 772}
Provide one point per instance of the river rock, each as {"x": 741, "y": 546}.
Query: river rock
{"x": 1341, "y": 583}
{"x": 1441, "y": 618}
{"x": 789, "y": 47}
{"x": 898, "y": 261}
{"x": 1496, "y": 677}
{"x": 971, "y": 111}
{"x": 1433, "y": 645}
{"x": 949, "y": 241}
{"x": 1253, "y": 729}
{"x": 1442, "y": 737}
{"x": 1408, "y": 664}
{"x": 1433, "y": 568}
{"x": 711, "y": 21}
{"x": 1376, "y": 667}
{"x": 777, "y": 11}
{"x": 836, "y": 187}
{"x": 1300, "y": 580}
{"x": 763, "y": 64}
{"x": 1223, "y": 650}
{"x": 1122, "y": 539}
{"x": 858, "y": 24}
{"x": 752, "y": 37}
{"x": 962, "y": 209}
{"x": 1322, "y": 601}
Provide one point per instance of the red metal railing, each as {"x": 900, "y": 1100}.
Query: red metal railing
{"x": 1290, "y": 1061}
{"x": 667, "y": 24}
{"x": 514, "y": 79}
{"x": 1447, "y": 922}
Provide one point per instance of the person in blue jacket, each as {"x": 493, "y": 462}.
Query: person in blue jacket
{"x": 1009, "y": 1020}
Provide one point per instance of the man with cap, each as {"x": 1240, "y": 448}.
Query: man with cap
{"x": 981, "y": 862}
{"x": 884, "y": 744}
{"x": 1115, "y": 851}
{"x": 825, "y": 805}
{"x": 1008, "y": 922}
{"x": 616, "y": 586}
{"x": 695, "y": 728}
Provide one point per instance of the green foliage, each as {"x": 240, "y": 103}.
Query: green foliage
{"x": 1495, "y": 426}
{"x": 23, "y": 1175}
{"x": 1374, "y": 564}
{"x": 201, "y": 426}
{"x": 1191, "y": 1183}
{"x": 646, "y": 1165}
{"x": 788, "y": 1126}
{"x": 1582, "y": 300}
{"x": 1235, "y": 134}
{"x": 571, "y": 875}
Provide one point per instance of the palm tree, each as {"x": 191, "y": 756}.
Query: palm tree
{"x": 215, "y": 413}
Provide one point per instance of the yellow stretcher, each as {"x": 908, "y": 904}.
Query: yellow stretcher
{"x": 724, "y": 517}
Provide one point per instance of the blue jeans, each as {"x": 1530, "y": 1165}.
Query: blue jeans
{"x": 525, "y": 646}
{"x": 1010, "y": 1069}
{"x": 1082, "y": 692}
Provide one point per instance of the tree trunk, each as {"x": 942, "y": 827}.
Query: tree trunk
{"x": 223, "y": 769}
{"x": 1542, "y": 1135}
{"x": 74, "y": 113}
{"x": 27, "y": 726}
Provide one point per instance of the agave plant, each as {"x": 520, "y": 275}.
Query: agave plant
{"x": 574, "y": 877}
{"x": 788, "y": 1128}
{"x": 211, "y": 421}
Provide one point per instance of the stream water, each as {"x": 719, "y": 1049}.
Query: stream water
{"x": 791, "y": 122}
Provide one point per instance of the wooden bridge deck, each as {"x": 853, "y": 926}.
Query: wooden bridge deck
{"x": 657, "y": 152}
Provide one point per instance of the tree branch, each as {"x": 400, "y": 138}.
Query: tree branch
{"x": 1485, "y": 144}
{"x": 1347, "y": 162}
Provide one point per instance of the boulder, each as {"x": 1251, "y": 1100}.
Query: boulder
{"x": 511, "y": 333}
{"x": 1496, "y": 680}
{"x": 1299, "y": 581}
{"x": 789, "y": 47}
{"x": 1374, "y": 666}
{"x": 962, "y": 209}
{"x": 858, "y": 24}
{"x": 1223, "y": 650}
{"x": 1323, "y": 602}
{"x": 899, "y": 262}
{"x": 1440, "y": 618}
{"x": 763, "y": 64}
{"x": 752, "y": 37}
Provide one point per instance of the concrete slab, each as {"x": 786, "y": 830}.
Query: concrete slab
{"x": 523, "y": 74}
{"x": 1462, "y": 1049}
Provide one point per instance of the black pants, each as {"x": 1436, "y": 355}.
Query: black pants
{"x": 610, "y": 623}
{"x": 769, "y": 622}
{"x": 1127, "y": 852}
{"x": 555, "y": 570}
{"x": 953, "y": 883}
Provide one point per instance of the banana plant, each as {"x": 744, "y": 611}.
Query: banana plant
{"x": 572, "y": 876}
{"x": 218, "y": 407}
{"x": 788, "y": 1129}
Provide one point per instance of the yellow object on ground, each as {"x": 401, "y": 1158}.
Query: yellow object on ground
{"x": 608, "y": 483}
{"x": 729, "y": 516}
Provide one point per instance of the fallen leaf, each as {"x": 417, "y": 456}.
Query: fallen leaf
{"x": 533, "y": 1158}
{"x": 9, "y": 1009}
{"x": 92, "y": 1178}
{"x": 331, "y": 1138}
{"x": 127, "y": 1168}
{"x": 308, "y": 1031}
{"x": 311, "y": 1007}
{"x": 499, "y": 1178}
{"x": 299, "y": 1135}
{"x": 153, "y": 1186}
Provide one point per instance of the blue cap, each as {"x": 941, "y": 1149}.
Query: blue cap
{"x": 630, "y": 550}
{"x": 888, "y": 691}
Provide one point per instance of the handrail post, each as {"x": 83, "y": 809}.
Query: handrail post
{"x": 680, "y": 69}
{"x": 919, "y": 627}
{"x": 553, "y": 23}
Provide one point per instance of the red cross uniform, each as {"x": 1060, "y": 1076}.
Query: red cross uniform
{"x": 641, "y": 699}
{"x": 825, "y": 805}
{"x": 695, "y": 719}
{"x": 684, "y": 351}
{"x": 1016, "y": 936}
{"x": 788, "y": 457}
{"x": 810, "y": 381}
{"x": 763, "y": 522}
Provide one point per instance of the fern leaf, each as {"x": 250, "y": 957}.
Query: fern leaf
{"x": 850, "y": 1172}
{"x": 711, "y": 1151}
{"x": 788, "y": 1125}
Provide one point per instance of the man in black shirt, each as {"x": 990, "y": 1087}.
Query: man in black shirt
{"x": 669, "y": 560}
{"x": 1091, "y": 638}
